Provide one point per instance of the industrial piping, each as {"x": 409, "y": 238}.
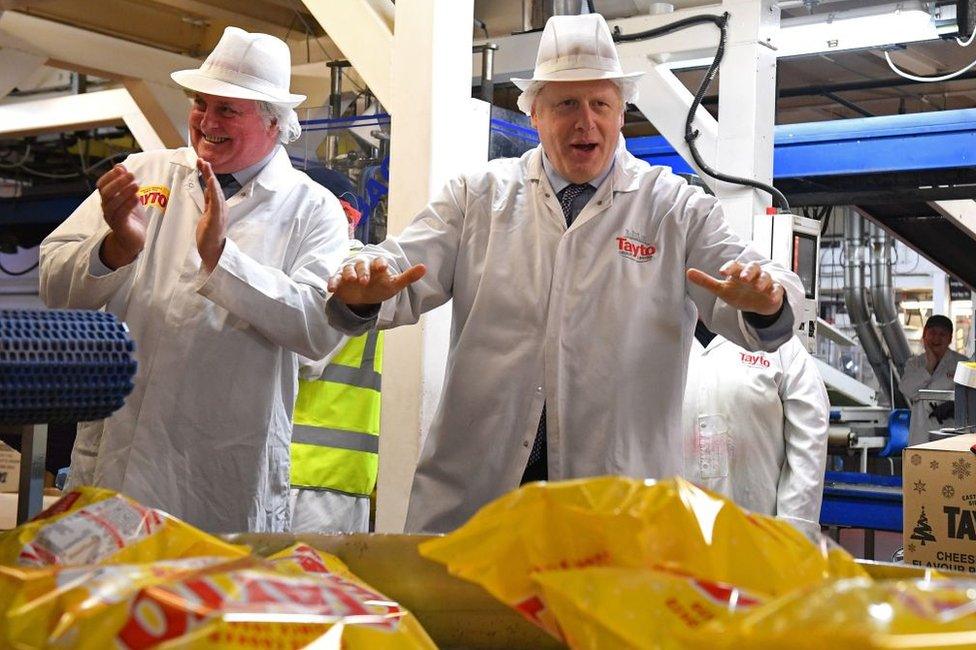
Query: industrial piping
{"x": 882, "y": 298}
{"x": 855, "y": 299}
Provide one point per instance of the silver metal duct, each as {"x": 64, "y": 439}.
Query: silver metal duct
{"x": 883, "y": 298}
{"x": 856, "y": 300}
{"x": 535, "y": 13}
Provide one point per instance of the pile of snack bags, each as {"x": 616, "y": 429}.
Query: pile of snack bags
{"x": 619, "y": 563}
{"x": 98, "y": 570}
{"x": 605, "y": 562}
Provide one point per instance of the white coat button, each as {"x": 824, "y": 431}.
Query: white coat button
{"x": 538, "y": 389}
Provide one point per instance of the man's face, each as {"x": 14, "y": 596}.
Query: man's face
{"x": 230, "y": 134}
{"x": 936, "y": 340}
{"x": 579, "y": 123}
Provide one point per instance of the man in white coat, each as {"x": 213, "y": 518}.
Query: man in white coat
{"x": 755, "y": 427}
{"x": 572, "y": 310}
{"x": 933, "y": 369}
{"x": 220, "y": 297}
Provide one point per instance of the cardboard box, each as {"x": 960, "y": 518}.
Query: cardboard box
{"x": 940, "y": 504}
{"x": 9, "y": 468}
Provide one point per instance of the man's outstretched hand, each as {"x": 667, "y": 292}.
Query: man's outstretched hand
{"x": 363, "y": 282}
{"x": 744, "y": 287}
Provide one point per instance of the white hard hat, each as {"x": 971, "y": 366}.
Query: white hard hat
{"x": 244, "y": 66}
{"x": 576, "y": 48}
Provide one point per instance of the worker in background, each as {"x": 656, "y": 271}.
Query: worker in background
{"x": 577, "y": 273}
{"x": 933, "y": 369}
{"x": 755, "y": 427}
{"x": 221, "y": 296}
{"x": 335, "y": 439}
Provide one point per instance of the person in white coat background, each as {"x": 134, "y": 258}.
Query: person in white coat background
{"x": 933, "y": 369}
{"x": 755, "y": 427}
{"x": 220, "y": 296}
{"x": 577, "y": 273}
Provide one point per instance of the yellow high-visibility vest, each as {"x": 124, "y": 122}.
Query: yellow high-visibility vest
{"x": 335, "y": 440}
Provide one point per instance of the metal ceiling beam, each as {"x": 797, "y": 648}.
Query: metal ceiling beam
{"x": 16, "y": 67}
{"x": 140, "y": 22}
{"x": 77, "y": 112}
{"x": 961, "y": 212}
{"x": 363, "y": 30}
{"x": 113, "y": 58}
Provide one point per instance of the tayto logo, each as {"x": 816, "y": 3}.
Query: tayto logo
{"x": 634, "y": 246}
{"x": 961, "y": 523}
{"x": 754, "y": 360}
{"x": 154, "y": 195}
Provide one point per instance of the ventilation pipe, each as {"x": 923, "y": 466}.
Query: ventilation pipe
{"x": 883, "y": 298}
{"x": 856, "y": 300}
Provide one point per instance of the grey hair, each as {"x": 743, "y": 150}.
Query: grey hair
{"x": 285, "y": 117}
{"x": 627, "y": 87}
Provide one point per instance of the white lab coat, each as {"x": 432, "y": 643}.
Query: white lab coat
{"x": 584, "y": 319}
{"x": 205, "y": 433}
{"x": 916, "y": 377}
{"x": 755, "y": 428}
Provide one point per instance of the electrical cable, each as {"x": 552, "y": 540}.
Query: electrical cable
{"x": 901, "y": 73}
{"x": 19, "y": 162}
{"x": 692, "y": 134}
{"x": 969, "y": 40}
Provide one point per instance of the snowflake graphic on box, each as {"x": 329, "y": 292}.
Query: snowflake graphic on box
{"x": 919, "y": 486}
{"x": 934, "y": 464}
{"x": 911, "y": 548}
{"x": 948, "y": 491}
{"x": 961, "y": 468}
{"x": 916, "y": 459}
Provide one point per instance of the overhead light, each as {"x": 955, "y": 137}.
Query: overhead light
{"x": 867, "y": 27}
{"x": 877, "y": 26}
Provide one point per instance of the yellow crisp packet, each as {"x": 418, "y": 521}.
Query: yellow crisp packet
{"x": 79, "y": 607}
{"x": 95, "y": 526}
{"x": 290, "y": 601}
{"x": 631, "y": 609}
{"x": 859, "y": 614}
{"x": 622, "y": 522}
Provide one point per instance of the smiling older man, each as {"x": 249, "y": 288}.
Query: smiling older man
{"x": 220, "y": 297}
{"x": 577, "y": 273}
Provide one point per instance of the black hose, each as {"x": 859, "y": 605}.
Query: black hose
{"x": 692, "y": 134}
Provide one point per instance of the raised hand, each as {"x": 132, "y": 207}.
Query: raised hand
{"x": 124, "y": 214}
{"x": 362, "y": 282}
{"x": 745, "y": 287}
{"x": 212, "y": 227}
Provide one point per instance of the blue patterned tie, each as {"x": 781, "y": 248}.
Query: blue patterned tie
{"x": 566, "y": 198}
{"x": 537, "y": 467}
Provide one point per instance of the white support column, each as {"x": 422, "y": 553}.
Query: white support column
{"x": 940, "y": 292}
{"x": 437, "y": 131}
{"x": 15, "y": 67}
{"x": 747, "y": 109}
{"x": 363, "y": 30}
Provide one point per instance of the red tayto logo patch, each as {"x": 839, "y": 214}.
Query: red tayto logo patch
{"x": 635, "y": 247}
{"x": 754, "y": 360}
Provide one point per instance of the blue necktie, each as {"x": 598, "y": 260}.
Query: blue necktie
{"x": 537, "y": 468}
